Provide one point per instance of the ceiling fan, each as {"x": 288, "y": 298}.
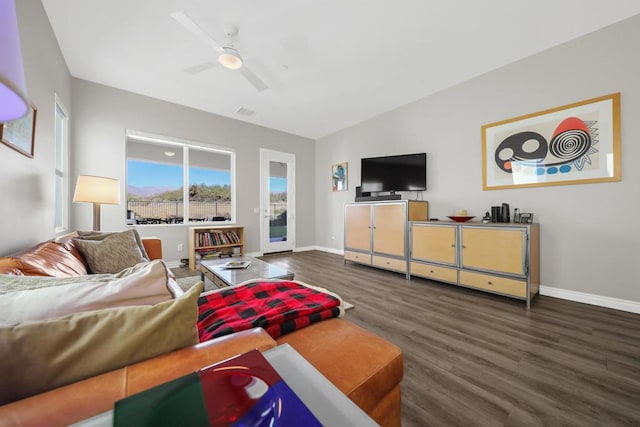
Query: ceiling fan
{"x": 228, "y": 56}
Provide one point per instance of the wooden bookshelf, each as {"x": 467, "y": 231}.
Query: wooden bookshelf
{"x": 222, "y": 239}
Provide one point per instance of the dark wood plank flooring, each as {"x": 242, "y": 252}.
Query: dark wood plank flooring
{"x": 475, "y": 359}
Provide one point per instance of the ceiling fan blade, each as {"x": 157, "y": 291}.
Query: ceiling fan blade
{"x": 253, "y": 79}
{"x": 195, "y": 29}
{"x": 200, "y": 67}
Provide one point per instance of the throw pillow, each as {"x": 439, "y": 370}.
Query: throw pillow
{"x": 40, "y": 356}
{"x": 14, "y": 282}
{"x": 144, "y": 284}
{"x": 98, "y": 235}
{"x": 111, "y": 254}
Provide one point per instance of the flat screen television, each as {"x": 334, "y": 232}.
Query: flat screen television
{"x": 406, "y": 172}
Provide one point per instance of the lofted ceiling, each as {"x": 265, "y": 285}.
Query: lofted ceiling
{"x": 328, "y": 64}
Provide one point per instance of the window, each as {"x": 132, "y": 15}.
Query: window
{"x": 61, "y": 216}
{"x": 163, "y": 172}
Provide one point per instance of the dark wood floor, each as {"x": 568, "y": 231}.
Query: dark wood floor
{"x": 472, "y": 358}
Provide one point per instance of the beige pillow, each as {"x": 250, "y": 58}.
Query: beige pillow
{"x": 146, "y": 284}
{"x": 40, "y": 356}
{"x": 99, "y": 235}
{"x": 111, "y": 254}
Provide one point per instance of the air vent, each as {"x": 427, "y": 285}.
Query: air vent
{"x": 245, "y": 112}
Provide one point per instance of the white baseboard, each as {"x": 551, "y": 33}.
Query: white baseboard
{"x": 320, "y": 248}
{"x": 582, "y": 297}
{"x": 599, "y": 300}
{"x": 307, "y": 248}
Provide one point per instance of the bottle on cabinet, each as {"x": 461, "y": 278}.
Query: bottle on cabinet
{"x": 505, "y": 213}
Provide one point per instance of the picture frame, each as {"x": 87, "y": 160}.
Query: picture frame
{"x": 526, "y": 218}
{"x": 20, "y": 134}
{"x": 577, "y": 143}
{"x": 339, "y": 176}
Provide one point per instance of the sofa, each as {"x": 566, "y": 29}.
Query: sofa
{"x": 364, "y": 366}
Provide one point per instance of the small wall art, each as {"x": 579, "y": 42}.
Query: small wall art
{"x": 20, "y": 134}
{"x": 573, "y": 144}
{"x": 339, "y": 176}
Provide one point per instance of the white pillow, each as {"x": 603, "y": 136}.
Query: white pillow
{"x": 147, "y": 284}
{"x": 42, "y": 355}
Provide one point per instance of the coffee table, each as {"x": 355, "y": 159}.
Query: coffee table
{"x": 214, "y": 270}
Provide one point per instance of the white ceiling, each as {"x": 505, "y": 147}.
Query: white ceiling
{"x": 329, "y": 64}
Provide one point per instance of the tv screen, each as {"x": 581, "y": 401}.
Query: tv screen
{"x": 407, "y": 172}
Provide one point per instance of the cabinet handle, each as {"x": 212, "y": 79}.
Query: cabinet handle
{"x": 489, "y": 283}
{"x": 453, "y": 245}
{"x": 464, "y": 247}
{"x": 430, "y": 271}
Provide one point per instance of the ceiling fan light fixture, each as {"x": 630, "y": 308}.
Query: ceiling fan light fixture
{"x": 230, "y": 59}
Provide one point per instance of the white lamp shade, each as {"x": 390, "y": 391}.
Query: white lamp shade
{"x": 13, "y": 92}
{"x": 97, "y": 189}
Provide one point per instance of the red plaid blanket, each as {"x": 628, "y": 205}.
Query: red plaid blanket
{"x": 277, "y": 307}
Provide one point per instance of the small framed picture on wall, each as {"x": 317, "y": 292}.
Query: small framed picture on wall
{"x": 20, "y": 134}
{"x": 339, "y": 176}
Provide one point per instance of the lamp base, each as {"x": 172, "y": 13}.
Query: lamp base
{"x": 96, "y": 217}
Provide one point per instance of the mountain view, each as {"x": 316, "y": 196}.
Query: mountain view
{"x": 142, "y": 192}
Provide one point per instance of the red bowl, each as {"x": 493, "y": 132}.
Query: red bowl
{"x": 461, "y": 218}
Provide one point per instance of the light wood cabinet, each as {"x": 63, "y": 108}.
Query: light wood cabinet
{"x": 389, "y": 229}
{"x": 494, "y": 250}
{"x": 357, "y": 227}
{"x": 435, "y": 244}
{"x": 225, "y": 240}
{"x": 376, "y": 233}
{"x": 498, "y": 258}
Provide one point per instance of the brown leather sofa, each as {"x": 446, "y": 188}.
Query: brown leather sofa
{"x": 365, "y": 367}
{"x": 60, "y": 258}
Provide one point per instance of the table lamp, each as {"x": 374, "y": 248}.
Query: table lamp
{"x": 97, "y": 190}
{"x": 13, "y": 93}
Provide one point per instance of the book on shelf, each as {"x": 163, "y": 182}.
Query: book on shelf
{"x": 243, "y": 390}
{"x": 211, "y": 255}
{"x": 217, "y": 238}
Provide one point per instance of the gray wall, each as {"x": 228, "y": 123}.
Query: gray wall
{"x": 589, "y": 240}
{"x": 101, "y": 115}
{"x": 26, "y": 185}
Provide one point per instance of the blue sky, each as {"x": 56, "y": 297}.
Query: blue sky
{"x": 145, "y": 174}
{"x": 277, "y": 185}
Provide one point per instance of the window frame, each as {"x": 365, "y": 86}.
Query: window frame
{"x": 62, "y": 194}
{"x": 187, "y": 146}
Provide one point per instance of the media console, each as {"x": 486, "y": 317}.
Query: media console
{"x": 499, "y": 258}
{"x": 377, "y": 233}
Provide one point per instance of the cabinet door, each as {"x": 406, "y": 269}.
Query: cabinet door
{"x": 434, "y": 243}
{"x": 389, "y": 229}
{"x": 497, "y": 250}
{"x": 357, "y": 227}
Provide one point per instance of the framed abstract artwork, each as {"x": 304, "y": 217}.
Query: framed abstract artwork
{"x": 20, "y": 134}
{"x": 573, "y": 144}
{"x": 339, "y": 177}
